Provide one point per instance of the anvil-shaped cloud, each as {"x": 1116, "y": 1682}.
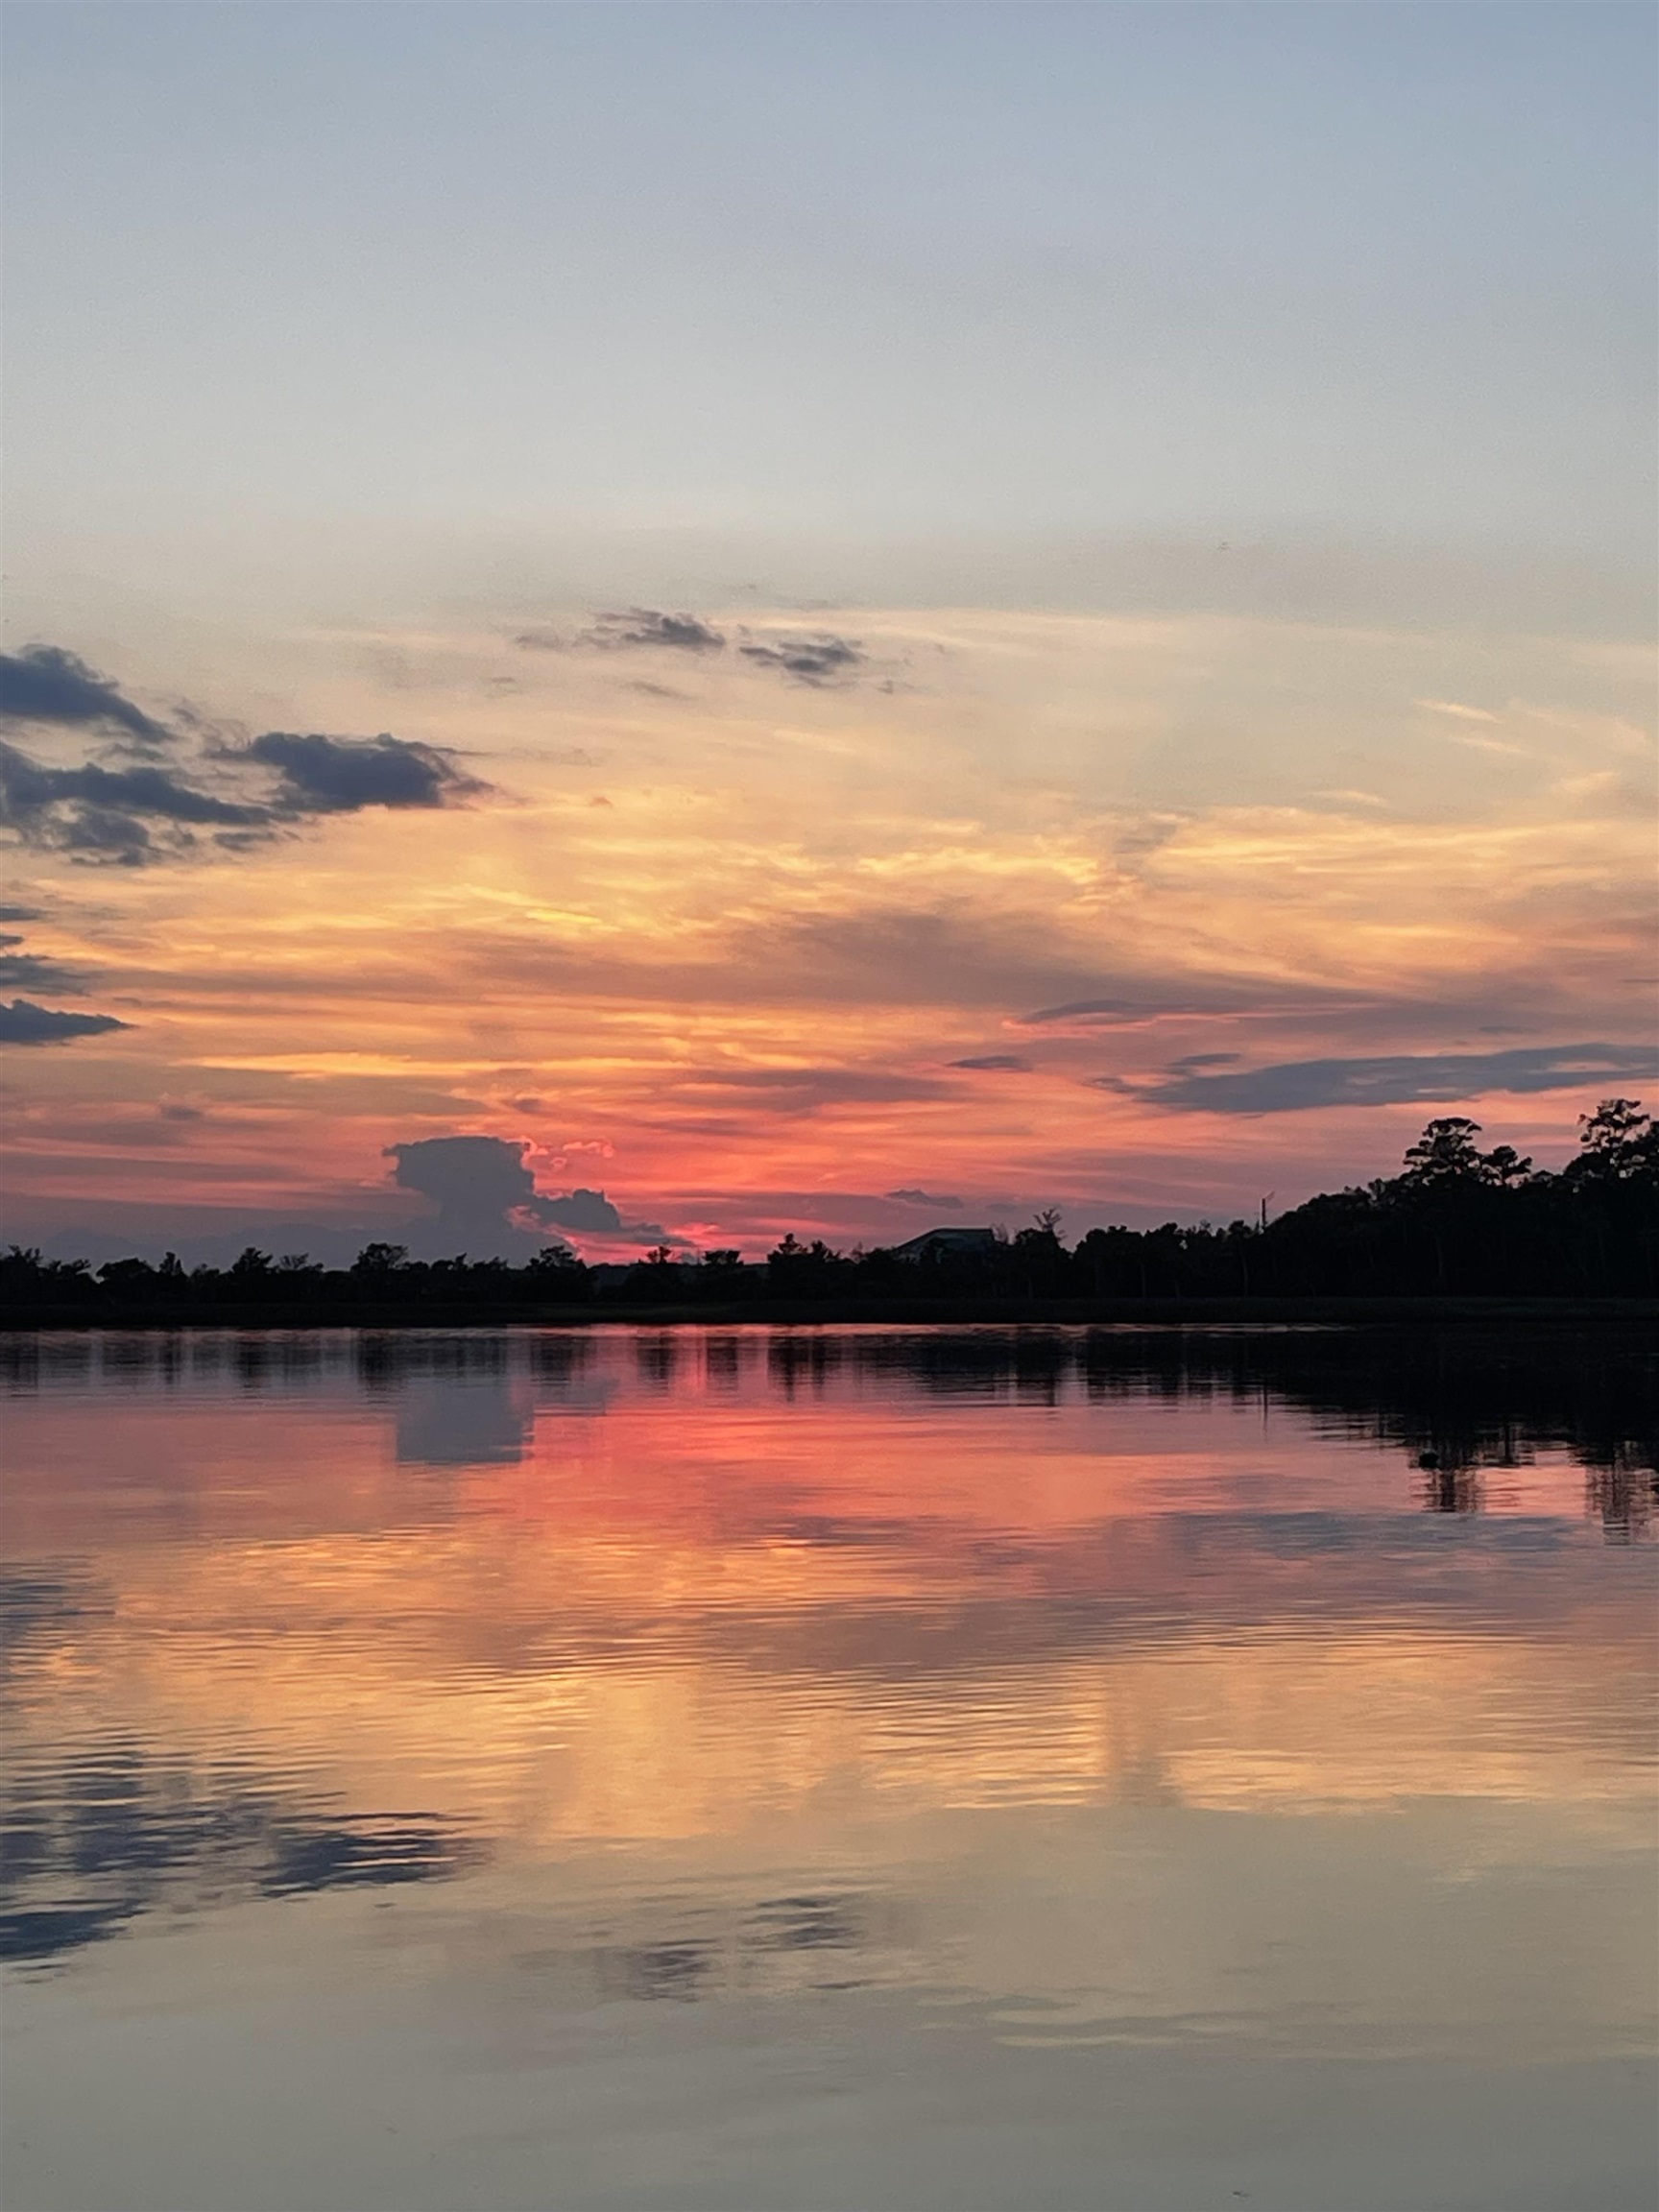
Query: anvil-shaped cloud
{"x": 488, "y": 1203}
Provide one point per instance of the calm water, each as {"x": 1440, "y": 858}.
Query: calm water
{"x": 846, "y": 1768}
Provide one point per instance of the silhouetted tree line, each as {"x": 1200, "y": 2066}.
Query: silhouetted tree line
{"x": 1455, "y": 1223}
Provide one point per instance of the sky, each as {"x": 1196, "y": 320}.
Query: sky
{"x": 823, "y": 618}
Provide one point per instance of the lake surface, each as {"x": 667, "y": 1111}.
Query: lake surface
{"x": 847, "y": 1769}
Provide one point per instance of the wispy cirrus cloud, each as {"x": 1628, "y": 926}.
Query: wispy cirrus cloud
{"x": 1457, "y": 709}
{"x": 1390, "y": 1079}
{"x": 1181, "y": 996}
{"x": 808, "y": 1090}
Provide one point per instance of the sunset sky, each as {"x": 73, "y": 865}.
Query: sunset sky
{"x": 831, "y": 618}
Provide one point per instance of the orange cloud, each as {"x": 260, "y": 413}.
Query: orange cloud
{"x": 771, "y": 963}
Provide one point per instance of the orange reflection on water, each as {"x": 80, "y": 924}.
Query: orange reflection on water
{"x": 671, "y": 1599}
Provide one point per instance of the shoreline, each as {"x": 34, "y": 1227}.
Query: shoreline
{"x": 1163, "y": 1313}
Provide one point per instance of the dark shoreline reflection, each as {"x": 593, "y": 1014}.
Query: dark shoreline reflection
{"x": 1454, "y": 1399}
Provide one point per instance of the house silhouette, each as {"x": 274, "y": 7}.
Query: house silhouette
{"x": 947, "y": 1244}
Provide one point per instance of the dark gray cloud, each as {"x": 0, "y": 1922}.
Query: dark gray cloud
{"x": 105, "y": 814}
{"x": 21, "y": 914}
{"x": 589, "y": 1210}
{"x": 592, "y": 1213}
{"x": 241, "y": 796}
{"x": 23, "y": 1022}
{"x": 816, "y": 657}
{"x": 96, "y": 833}
{"x": 27, "y": 789}
{"x": 1009, "y": 1062}
{"x": 342, "y": 774}
{"x": 46, "y": 684}
{"x": 36, "y": 971}
{"x": 649, "y": 626}
{"x": 926, "y": 1198}
{"x": 822, "y": 660}
{"x": 1392, "y": 1079}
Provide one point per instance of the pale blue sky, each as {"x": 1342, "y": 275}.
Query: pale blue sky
{"x": 1377, "y": 271}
